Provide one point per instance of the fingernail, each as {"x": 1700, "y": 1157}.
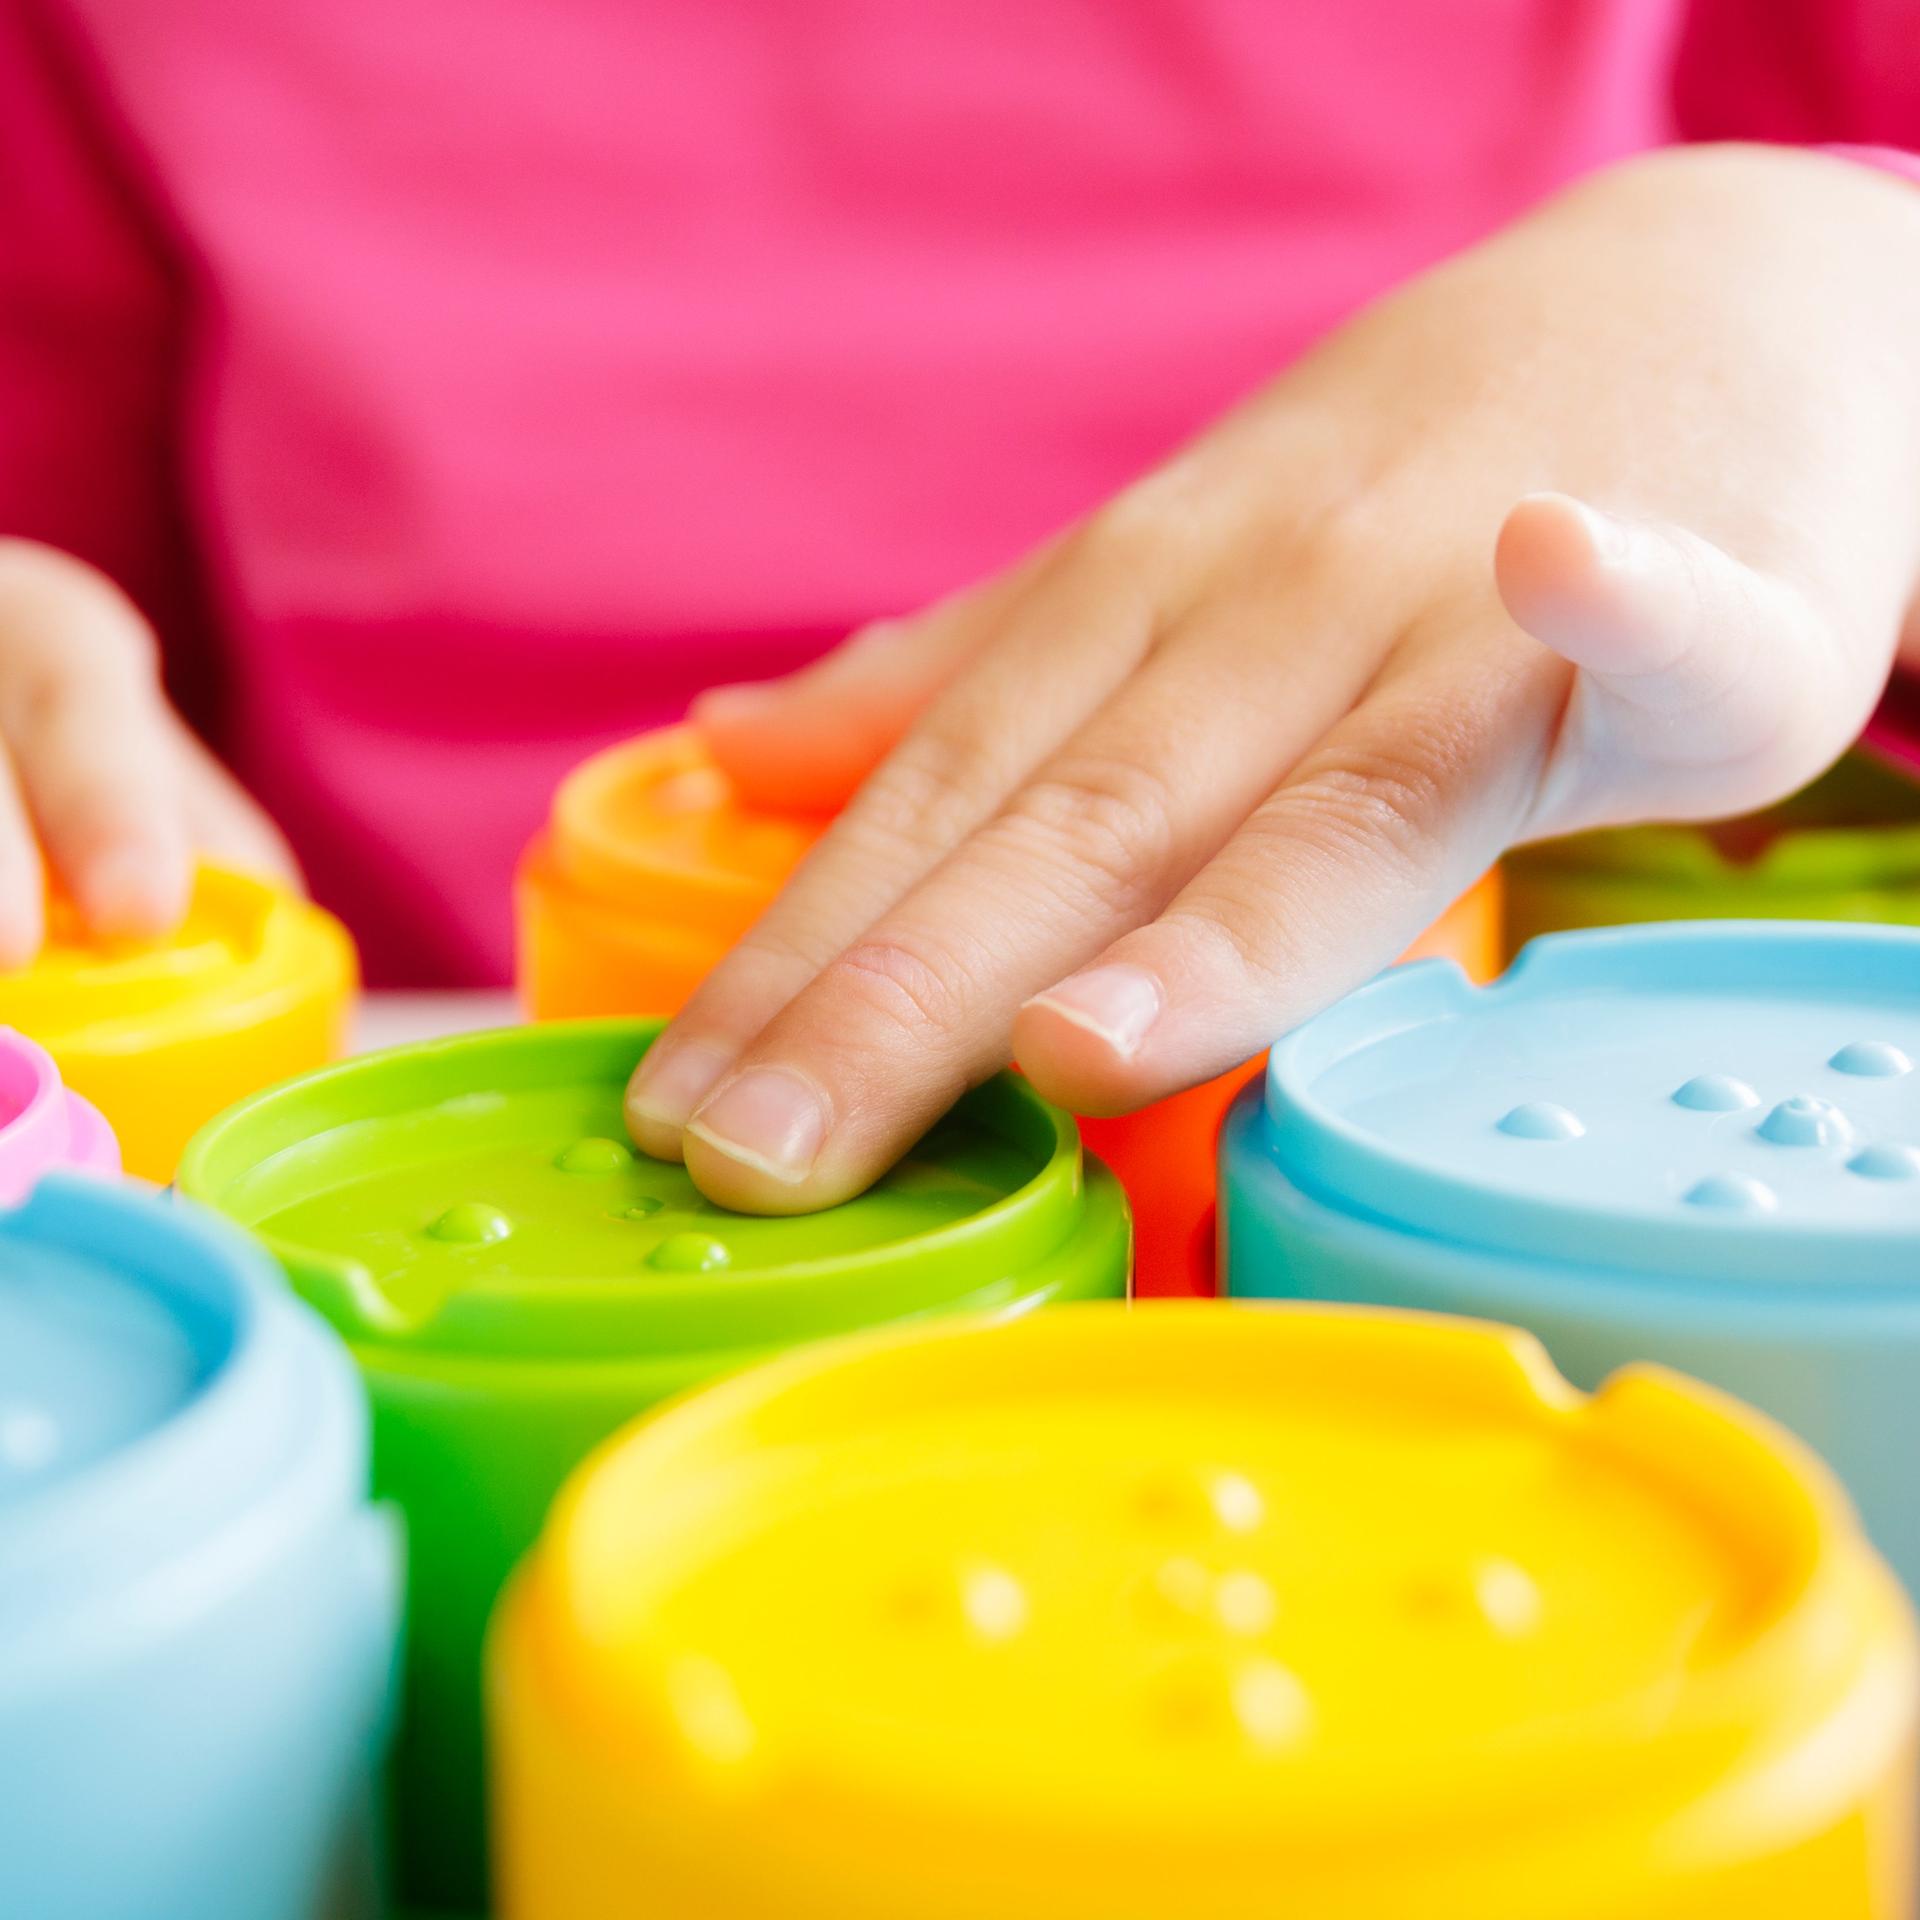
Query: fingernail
{"x": 673, "y": 1078}
{"x": 771, "y": 1119}
{"x": 1117, "y": 1003}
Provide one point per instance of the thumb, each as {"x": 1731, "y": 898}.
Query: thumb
{"x": 1705, "y": 686}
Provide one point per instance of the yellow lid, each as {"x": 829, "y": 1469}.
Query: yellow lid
{"x": 1070, "y": 1615}
{"x": 245, "y": 950}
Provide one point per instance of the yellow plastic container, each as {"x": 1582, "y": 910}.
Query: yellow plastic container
{"x": 1205, "y": 1611}
{"x": 161, "y": 1035}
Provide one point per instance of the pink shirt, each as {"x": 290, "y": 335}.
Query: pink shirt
{"x": 463, "y": 383}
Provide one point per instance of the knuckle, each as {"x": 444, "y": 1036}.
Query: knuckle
{"x": 1106, "y": 824}
{"x": 1385, "y": 798}
{"x": 926, "y": 795}
{"x": 909, "y": 990}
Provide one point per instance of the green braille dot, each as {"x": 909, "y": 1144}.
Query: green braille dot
{"x": 642, "y": 1209}
{"x": 593, "y": 1156}
{"x": 688, "y": 1253}
{"x": 471, "y": 1223}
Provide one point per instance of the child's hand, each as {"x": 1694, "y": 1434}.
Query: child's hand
{"x": 99, "y": 778}
{"x": 1221, "y": 751}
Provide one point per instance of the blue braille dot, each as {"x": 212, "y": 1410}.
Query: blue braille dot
{"x": 1715, "y": 1093}
{"x": 1734, "y": 1192}
{"x": 1542, "y": 1120}
{"x": 1885, "y": 1161}
{"x": 1804, "y": 1121}
{"x": 1875, "y": 1059}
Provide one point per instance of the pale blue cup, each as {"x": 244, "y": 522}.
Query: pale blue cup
{"x": 197, "y": 1604}
{"x": 1696, "y": 1143}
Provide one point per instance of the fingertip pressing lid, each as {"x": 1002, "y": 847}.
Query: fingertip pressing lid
{"x": 1727, "y": 1101}
{"x": 244, "y": 948}
{"x": 1235, "y": 1582}
{"x": 479, "y": 1196}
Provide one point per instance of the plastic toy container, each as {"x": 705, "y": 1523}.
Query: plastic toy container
{"x": 161, "y": 1035}
{"x": 198, "y": 1608}
{"x": 1117, "y": 1615}
{"x": 515, "y": 1284}
{"x": 651, "y": 868}
{"x": 1166, "y": 1153}
{"x": 42, "y": 1124}
{"x": 1698, "y": 1144}
{"x": 1847, "y": 848}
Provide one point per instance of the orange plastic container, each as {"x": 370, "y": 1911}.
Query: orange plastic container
{"x": 650, "y": 868}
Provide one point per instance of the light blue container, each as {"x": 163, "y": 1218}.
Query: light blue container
{"x": 1696, "y": 1143}
{"x": 197, "y": 1604}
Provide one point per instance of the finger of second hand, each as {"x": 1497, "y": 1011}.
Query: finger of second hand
{"x": 22, "y": 878}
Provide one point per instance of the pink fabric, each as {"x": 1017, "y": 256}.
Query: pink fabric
{"x": 464, "y": 383}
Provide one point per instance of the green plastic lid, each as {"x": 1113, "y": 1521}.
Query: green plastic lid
{"x": 477, "y": 1197}
{"x": 1857, "y": 826}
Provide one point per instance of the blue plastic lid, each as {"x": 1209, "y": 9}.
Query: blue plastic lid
{"x": 1735, "y": 1100}
{"x": 158, "y": 1387}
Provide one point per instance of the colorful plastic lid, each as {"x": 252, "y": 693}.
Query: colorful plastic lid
{"x": 245, "y": 950}
{"x": 477, "y": 1196}
{"x": 157, "y": 1386}
{"x": 42, "y": 1124}
{"x": 1718, "y": 1100}
{"x": 654, "y": 822}
{"x": 1040, "y": 1611}
{"x": 1856, "y": 828}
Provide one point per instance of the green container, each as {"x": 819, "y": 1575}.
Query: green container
{"x": 516, "y": 1283}
{"x": 1846, "y": 848}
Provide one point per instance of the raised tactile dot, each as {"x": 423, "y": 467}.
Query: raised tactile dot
{"x": 1803, "y": 1121}
{"x": 1178, "y": 1590}
{"x": 993, "y": 1602}
{"x": 1733, "y": 1193}
{"x": 1886, "y": 1161}
{"x": 1507, "y": 1597}
{"x": 1178, "y": 1499}
{"x": 712, "y": 1717}
{"x": 1243, "y": 1603}
{"x": 1542, "y": 1120}
{"x": 1875, "y": 1059}
{"x": 1236, "y": 1502}
{"x": 471, "y": 1223}
{"x": 1715, "y": 1093}
{"x": 1270, "y": 1704}
{"x": 642, "y": 1209}
{"x": 593, "y": 1156}
{"x": 689, "y": 1253}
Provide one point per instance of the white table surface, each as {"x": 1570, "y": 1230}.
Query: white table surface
{"x": 389, "y": 1019}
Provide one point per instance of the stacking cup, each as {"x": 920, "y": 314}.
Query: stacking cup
{"x": 515, "y": 1283}
{"x": 1221, "y": 1612}
{"x": 1697, "y": 1144}
{"x": 198, "y": 1608}
{"x": 1847, "y": 848}
{"x": 160, "y": 1035}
